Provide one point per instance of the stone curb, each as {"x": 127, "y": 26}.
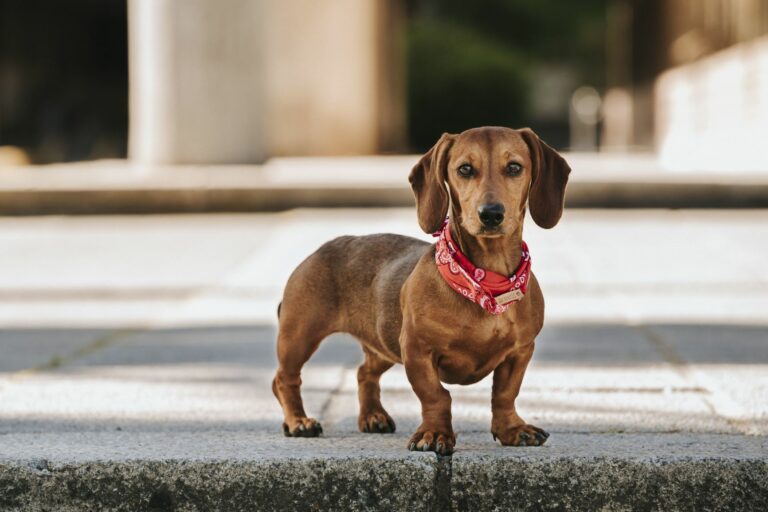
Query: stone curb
{"x": 578, "y": 472}
{"x": 610, "y": 484}
{"x": 286, "y": 484}
{"x": 383, "y": 484}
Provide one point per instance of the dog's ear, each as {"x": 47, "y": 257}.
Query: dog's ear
{"x": 550, "y": 176}
{"x": 428, "y": 184}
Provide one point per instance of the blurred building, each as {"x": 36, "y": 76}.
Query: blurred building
{"x": 198, "y": 81}
{"x": 238, "y": 81}
{"x": 63, "y": 80}
{"x": 691, "y": 81}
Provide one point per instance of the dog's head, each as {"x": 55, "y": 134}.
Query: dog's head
{"x": 491, "y": 173}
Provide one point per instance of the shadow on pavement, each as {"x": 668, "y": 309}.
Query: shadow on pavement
{"x": 218, "y": 378}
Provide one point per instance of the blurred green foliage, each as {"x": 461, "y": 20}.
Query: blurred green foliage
{"x": 470, "y": 63}
{"x": 459, "y": 79}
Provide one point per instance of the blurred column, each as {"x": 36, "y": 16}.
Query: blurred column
{"x": 618, "y": 102}
{"x": 335, "y": 78}
{"x": 617, "y": 120}
{"x": 197, "y": 92}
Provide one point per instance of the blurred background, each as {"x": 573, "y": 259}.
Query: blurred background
{"x": 241, "y": 134}
{"x": 195, "y": 82}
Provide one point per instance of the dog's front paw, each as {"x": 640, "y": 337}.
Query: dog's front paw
{"x": 376, "y": 422}
{"x": 427, "y": 440}
{"x": 521, "y": 435}
{"x": 302, "y": 427}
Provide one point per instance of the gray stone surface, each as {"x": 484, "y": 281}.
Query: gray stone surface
{"x": 24, "y": 349}
{"x": 211, "y": 471}
{"x": 136, "y": 355}
{"x": 612, "y": 472}
{"x": 318, "y": 484}
{"x": 205, "y": 378}
{"x": 244, "y": 470}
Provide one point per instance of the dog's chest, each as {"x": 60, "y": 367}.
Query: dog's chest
{"x": 476, "y": 352}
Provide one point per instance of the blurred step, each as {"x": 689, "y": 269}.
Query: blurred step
{"x": 597, "y": 181}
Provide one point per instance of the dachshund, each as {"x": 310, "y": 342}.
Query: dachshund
{"x": 433, "y": 307}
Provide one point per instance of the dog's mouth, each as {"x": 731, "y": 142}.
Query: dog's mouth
{"x": 487, "y": 232}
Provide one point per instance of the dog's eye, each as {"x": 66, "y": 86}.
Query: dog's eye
{"x": 513, "y": 169}
{"x": 466, "y": 171}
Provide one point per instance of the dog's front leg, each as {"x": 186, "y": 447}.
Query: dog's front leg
{"x": 435, "y": 432}
{"x": 506, "y": 425}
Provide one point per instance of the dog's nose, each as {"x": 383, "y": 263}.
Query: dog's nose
{"x": 491, "y": 215}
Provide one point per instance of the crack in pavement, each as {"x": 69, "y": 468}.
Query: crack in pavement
{"x": 57, "y": 361}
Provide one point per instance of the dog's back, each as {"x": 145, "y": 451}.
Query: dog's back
{"x": 357, "y": 281}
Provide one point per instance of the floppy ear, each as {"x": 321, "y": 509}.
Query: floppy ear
{"x": 550, "y": 176}
{"x": 427, "y": 182}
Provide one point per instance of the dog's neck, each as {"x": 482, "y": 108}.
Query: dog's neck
{"x": 500, "y": 254}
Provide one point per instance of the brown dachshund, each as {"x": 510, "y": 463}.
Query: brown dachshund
{"x": 386, "y": 291}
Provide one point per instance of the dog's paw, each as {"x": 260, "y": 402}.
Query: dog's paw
{"x": 376, "y": 422}
{"x": 522, "y": 435}
{"x": 302, "y": 427}
{"x": 441, "y": 442}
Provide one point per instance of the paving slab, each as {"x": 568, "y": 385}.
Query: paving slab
{"x": 169, "y": 379}
{"x": 230, "y": 269}
{"x": 24, "y": 349}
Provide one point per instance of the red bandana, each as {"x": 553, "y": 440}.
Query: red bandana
{"x": 492, "y": 291}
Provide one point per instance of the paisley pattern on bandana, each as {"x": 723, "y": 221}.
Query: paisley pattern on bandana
{"x": 477, "y": 284}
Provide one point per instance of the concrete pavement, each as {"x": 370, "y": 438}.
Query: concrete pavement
{"x": 136, "y": 355}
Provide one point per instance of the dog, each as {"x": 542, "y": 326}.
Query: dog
{"x": 432, "y": 307}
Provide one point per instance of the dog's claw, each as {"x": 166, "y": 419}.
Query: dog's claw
{"x": 438, "y": 441}
{"x": 303, "y": 427}
{"x": 377, "y": 422}
{"x": 412, "y": 447}
{"x": 521, "y": 435}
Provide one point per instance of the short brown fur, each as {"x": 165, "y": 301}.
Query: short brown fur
{"x": 386, "y": 291}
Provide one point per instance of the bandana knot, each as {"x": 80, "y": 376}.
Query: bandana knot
{"x": 493, "y": 292}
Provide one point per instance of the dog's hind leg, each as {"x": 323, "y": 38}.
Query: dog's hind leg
{"x": 297, "y": 340}
{"x": 373, "y": 418}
